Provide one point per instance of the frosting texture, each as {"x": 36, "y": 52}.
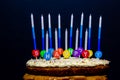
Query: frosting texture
{"x": 71, "y": 62}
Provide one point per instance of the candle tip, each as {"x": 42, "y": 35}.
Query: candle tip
{"x": 49, "y": 15}
{"x": 71, "y": 25}
{"x": 82, "y": 18}
{"x": 31, "y": 15}
{"x": 77, "y": 29}
{"x": 86, "y": 30}
{"x": 100, "y": 21}
{"x": 46, "y": 32}
{"x": 72, "y": 14}
{"x": 49, "y": 20}
{"x": 66, "y": 29}
{"x": 100, "y": 17}
{"x": 90, "y": 15}
{"x": 82, "y": 14}
{"x": 41, "y": 15}
{"x": 55, "y": 29}
{"x": 32, "y": 21}
{"x": 42, "y": 22}
{"x": 59, "y": 21}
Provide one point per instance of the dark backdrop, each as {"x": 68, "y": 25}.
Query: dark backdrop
{"x": 16, "y": 37}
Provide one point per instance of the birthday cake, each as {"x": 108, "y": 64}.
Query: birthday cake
{"x": 57, "y": 68}
{"x": 66, "y": 64}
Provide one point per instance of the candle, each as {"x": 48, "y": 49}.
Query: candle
{"x": 86, "y": 37}
{"x": 76, "y": 52}
{"x": 81, "y": 29}
{"x": 42, "y": 27}
{"x": 47, "y": 55}
{"x": 89, "y": 37}
{"x": 66, "y": 53}
{"x": 33, "y": 31}
{"x": 59, "y": 31}
{"x": 50, "y": 33}
{"x": 35, "y": 52}
{"x": 56, "y": 41}
{"x": 99, "y": 32}
{"x": 71, "y": 29}
{"x": 66, "y": 35}
{"x": 42, "y": 52}
{"x": 50, "y": 50}
{"x": 98, "y": 54}
{"x": 47, "y": 41}
{"x": 56, "y": 53}
{"x": 76, "y": 44}
{"x": 60, "y": 50}
{"x": 85, "y": 53}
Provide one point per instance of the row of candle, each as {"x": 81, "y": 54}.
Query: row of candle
{"x": 48, "y": 53}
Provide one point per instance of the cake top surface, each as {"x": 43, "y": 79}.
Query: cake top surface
{"x": 71, "y": 62}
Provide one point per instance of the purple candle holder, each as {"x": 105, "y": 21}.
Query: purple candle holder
{"x": 76, "y": 53}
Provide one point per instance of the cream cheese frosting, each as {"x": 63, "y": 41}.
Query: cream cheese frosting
{"x": 71, "y": 62}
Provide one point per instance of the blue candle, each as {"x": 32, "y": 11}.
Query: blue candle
{"x": 99, "y": 32}
{"x": 50, "y": 33}
{"x": 98, "y": 54}
{"x": 42, "y": 24}
{"x": 81, "y": 29}
{"x": 59, "y": 32}
{"x": 33, "y": 31}
{"x": 71, "y": 29}
{"x": 89, "y": 36}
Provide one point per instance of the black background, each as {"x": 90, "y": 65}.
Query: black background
{"x": 16, "y": 37}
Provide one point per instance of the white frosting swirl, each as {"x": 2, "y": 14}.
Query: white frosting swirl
{"x": 72, "y": 61}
